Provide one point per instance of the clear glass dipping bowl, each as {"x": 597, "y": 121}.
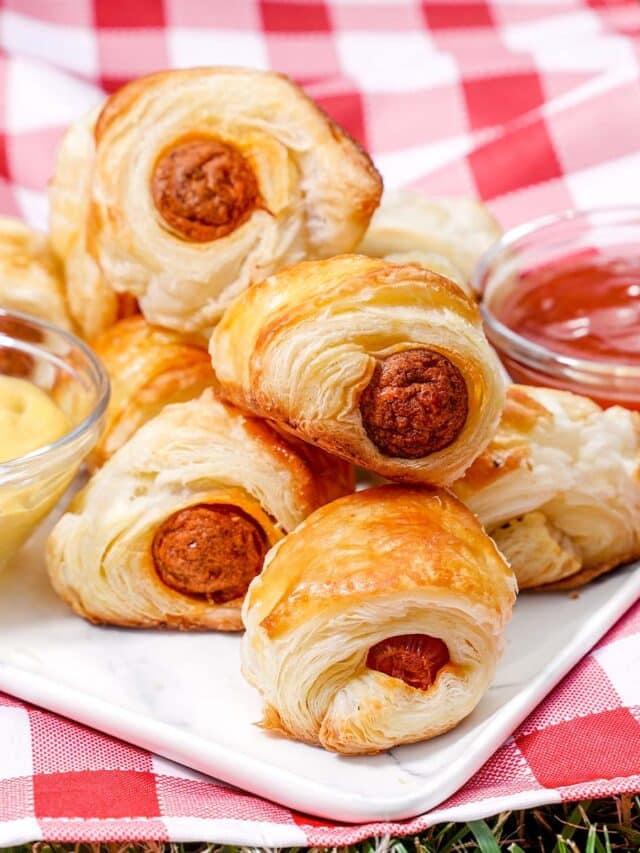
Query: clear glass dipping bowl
{"x": 64, "y": 367}
{"x": 606, "y": 234}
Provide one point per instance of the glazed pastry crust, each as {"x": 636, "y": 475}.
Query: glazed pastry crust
{"x": 301, "y": 347}
{"x": 559, "y": 487}
{"x": 388, "y": 561}
{"x": 435, "y": 262}
{"x": 119, "y": 201}
{"x": 448, "y": 235}
{"x": 30, "y": 274}
{"x": 201, "y": 452}
{"x": 149, "y": 368}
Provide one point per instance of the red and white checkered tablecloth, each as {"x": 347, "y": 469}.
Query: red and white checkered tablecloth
{"x": 531, "y": 105}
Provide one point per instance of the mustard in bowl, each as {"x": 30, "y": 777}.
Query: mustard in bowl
{"x": 53, "y": 396}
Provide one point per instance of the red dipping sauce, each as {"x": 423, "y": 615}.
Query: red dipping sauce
{"x": 561, "y": 303}
{"x": 591, "y": 310}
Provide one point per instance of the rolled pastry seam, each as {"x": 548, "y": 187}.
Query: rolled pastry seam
{"x": 558, "y": 487}
{"x": 198, "y": 182}
{"x": 383, "y": 364}
{"x": 30, "y": 283}
{"x": 448, "y": 235}
{"x": 149, "y": 368}
{"x": 172, "y": 528}
{"x": 378, "y": 621}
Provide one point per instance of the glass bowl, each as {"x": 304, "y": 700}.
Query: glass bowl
{"x": 541, "y": 246}
{"x": 72, "y": 375}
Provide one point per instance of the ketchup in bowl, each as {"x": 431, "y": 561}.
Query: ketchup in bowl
{"x": 592, "y": 310}
{"x": 562, "y": 303}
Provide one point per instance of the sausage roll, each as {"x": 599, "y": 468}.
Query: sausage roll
{"x": 30, "y": 274}
{"x": 191, "y": 184}
{"x": 448, "y": 235}
{"x": 172, "y": 528}
{"x": 149, "y": 367}
{"x": 378, "y": 621}
{"x": 383, "y": 364}
{"x": 558, "y": 487}
{"x": 93, "y": 303}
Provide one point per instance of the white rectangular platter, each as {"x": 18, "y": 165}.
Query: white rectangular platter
{"x": 182, "y": 696}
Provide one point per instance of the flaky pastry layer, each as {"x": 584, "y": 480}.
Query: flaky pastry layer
{"x": 558, "y": 487}
{"x": 30, "y": 274}
{"x": 149, "y": 368}
{"x": 380, "y": 564}
{"x": 302, "y": 347}
{"x": 199, "y": 454}
{"x": 189, "y": 185}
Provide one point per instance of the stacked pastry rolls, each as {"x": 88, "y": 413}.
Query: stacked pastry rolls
{"x": 220, "y": 199}
{"x": 189, "y": 185}
{"x": 378, "y": 621}
{"x": 171, "y": 530}
{"x": 383, "y": 364}
{"x": 558, "y": 487}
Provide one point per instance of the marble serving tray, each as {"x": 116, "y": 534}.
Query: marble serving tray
{"x": 182, "y": 696}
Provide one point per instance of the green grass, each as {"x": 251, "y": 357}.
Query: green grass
{"x": 591, "y": 826}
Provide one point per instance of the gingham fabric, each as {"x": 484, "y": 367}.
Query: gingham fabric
{"x": 531, "y": 106}
{"x": 61, "y": 781}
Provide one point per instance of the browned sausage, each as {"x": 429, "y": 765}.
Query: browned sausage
{"x": 204, "y": 189}
{"x": 415, "y": 659}
{"x": 209, "y": 550}
{"x": 415, "y": 404}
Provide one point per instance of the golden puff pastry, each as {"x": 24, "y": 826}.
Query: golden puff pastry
{"x": 30, "y": 274}
{"x": 149, "y": 367}
{"x": 173, "y": 527}
{"x": 434, "y": 262}
{"x": 383, "y": 364}
{"x": 189, "y": 185}
{"x": 378, "y": 621}
{"x": 558, "y": 487}
{"x": 448, "y": 235}
{"x": 93, "y": 303}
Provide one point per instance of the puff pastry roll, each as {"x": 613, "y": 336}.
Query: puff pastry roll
{"x": 448, "y": 235}
{"x": 93, "y": 303}
{"x": 383, "y": 364}
{"x": 558, "y": 487}
{"x": 378, "y": 621}
{"x": 171, "y": 530}
{"x": 30, "y": 274}
{"x": 189, "y": 185}
{"x": 149, "y": 367}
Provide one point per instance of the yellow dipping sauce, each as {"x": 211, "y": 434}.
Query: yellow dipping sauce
{"x": 29, "y": 419}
